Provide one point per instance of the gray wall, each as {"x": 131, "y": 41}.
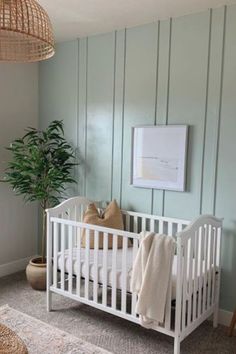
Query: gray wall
{"x": 18, "y": 109}
{"x": 180, "y": 71}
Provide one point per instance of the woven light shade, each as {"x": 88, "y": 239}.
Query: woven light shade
{"x": 25, "y": 32}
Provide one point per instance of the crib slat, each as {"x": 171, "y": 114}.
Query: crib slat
{"x": 184, "y": 286}
{"x": 70, "y": 257}
{"x": 55, "y": 253}
{"x": 143, "y": 224}
{"x": 95, "y": 269}
{"x": 168, "y": 304}
{"x": 195, "y": 284}
{"x": 134, "y": 296}
{"x": 179, "y": 227}
{"x": 205, "y": 269}
{"x": 81, "y": 212}
{"x": 78, "y": 259}
{"x": 161, "y": 227}
{"x": 152, "y": 225}
{"x": 124, "y": 275}
{"x": 135, "y": 224}
{"x": 62, "y": 256}
{"x": 127, "y": 222}
{"x": 114, "y": 274}
{"x": 87, "y": 247}
{"x": 190, "y": 281}
{"x": 209, "y": 290}
{"x": 170, "y": 228}
{"x": 104, "y": 283}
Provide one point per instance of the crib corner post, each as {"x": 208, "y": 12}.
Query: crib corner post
{"x": 177, "y": 345}
{"x": 49, "y": 300}
{"x": 178, "y": 307}
{"x": 49, "y": 263}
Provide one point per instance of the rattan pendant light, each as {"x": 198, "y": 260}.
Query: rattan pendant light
{"x": 25, "y": 32}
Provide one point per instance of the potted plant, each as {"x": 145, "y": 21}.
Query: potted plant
{"x": 40, "y": 170}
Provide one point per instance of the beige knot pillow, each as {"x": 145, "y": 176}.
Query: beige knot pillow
{"x": 112, "y": 218}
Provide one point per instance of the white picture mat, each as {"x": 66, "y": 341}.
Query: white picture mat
{"x": 159, "y": 157}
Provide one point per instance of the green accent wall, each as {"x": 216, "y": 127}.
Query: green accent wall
{"x": 178, "y": 71}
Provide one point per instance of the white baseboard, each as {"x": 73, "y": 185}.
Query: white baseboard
{"x": 13, "y": 267}
{"x": 225, "y": 317}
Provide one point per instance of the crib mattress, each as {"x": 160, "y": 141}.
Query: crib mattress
{"x": 129, "y": 262}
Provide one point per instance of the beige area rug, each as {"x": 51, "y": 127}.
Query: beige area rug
{"x": 40, "y": 337}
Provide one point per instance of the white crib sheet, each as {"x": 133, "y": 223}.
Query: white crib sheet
{"x": 129, "y": 262}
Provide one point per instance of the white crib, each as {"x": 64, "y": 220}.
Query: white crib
{"x": 100, "y": 278}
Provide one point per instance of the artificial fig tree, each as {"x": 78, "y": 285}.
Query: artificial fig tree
{"x": 40, "y": 168}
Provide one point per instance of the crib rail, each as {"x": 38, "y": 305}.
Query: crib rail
{"x": 137, "y": 222}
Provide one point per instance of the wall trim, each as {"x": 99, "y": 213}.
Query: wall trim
{"x": 225, "y": 317}
{"x": 14, "y": 266}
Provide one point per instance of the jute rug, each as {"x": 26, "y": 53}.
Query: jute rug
{"x": 40, "y": 337}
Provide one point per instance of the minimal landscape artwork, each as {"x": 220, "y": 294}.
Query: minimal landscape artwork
{"x": 159, "y": 157}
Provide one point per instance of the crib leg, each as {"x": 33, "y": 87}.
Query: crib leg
{"x": 49, "y": 300}
{"x": 177, "y": 345}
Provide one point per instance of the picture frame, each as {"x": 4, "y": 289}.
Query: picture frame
{"x": 159, "y": 156}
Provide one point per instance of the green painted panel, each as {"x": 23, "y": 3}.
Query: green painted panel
{"x": 226, "y": 171}
{"x": 118, "y": 114}
{"x": 162, "y": 96}
{"x": 58, "y": 83}
{"x": 140, "y": 94}
{"x": 187, "y": 98}
{"x": 58, "y": 88}
{"x": 212, "y": 111}
{"x": 99, "y": 116}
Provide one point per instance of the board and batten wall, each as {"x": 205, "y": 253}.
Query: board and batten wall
{"x": 18, "y": 110}
{"x": 178, "y": 71}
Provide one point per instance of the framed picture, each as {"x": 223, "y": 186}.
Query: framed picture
{"x": 159, "y": 157}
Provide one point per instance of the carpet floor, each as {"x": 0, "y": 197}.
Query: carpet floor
{"x": 106, "y": 331}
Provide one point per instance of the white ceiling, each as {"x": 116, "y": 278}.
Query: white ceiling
{"x": 79, "y": 18}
